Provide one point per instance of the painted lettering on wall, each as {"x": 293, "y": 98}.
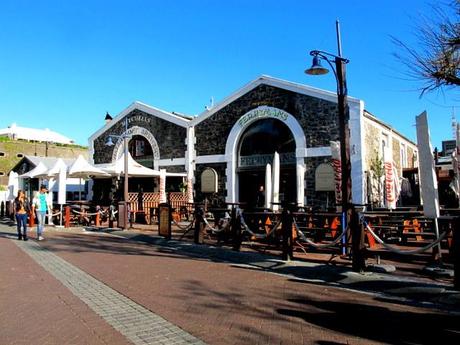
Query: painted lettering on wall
{"x": 263, "y": 112}
{"x": 140, "y": 118}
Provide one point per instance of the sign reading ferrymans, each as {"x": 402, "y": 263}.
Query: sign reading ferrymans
{"x": 263, "y": 112}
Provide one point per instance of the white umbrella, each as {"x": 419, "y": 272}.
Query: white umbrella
{"x": 57, "y": 167}
{"x": 134, "y": 168}
{"x": 268, "y": 185}
{"x": 276, "y": 181}
{"x": 13, "y": 185}
{"x": 82, "y": 169}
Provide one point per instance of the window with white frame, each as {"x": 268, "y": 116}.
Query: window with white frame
{"x": 403, "y": 156}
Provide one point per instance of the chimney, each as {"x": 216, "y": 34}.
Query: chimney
{"x": 108, "y": 118}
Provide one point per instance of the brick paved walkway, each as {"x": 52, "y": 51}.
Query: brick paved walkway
{"x": 223, "y": 303}
{"x": 135, "y": 322}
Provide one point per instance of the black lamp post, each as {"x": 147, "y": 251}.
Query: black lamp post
{"x": 344, "y": 128}
{"x": 109, "y": 142}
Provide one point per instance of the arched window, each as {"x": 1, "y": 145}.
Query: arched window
{"x": 262, "y": 139}
{"x": 141, "y": 150}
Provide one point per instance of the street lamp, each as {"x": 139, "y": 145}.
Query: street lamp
{"x": 344, "y": 131}
{"x": 109, "y": 142}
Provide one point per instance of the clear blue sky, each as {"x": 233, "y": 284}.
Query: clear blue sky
{"x": 63, "y": 64}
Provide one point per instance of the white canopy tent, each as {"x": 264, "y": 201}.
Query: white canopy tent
{"x": 135, "y": 169}
{"x": 82, "y": 169}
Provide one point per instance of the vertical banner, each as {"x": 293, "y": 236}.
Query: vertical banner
{"x": 162, "y": 185}
{"x": 300, "y": 175}
{"x": 276, "y": 181}
{"x": 455, "y": 184}
{"x": 189, "y": 190}
{"x": 427, "y": 173}
{"x": 337, "y": 165}
{"x": 268, "y": 186}
{"x": 390, "y": 194}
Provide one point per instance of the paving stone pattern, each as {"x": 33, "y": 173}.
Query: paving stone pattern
{"x": 138, "y": 324}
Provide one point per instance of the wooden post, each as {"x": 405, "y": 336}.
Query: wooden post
{"x": 98, "y": 218}
{"x": 31, "y": 218}
{"x": 67, "y": 217}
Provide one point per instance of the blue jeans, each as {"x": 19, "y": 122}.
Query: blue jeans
{"x": 41, "y": 216}
{"x": 21, "y": 221}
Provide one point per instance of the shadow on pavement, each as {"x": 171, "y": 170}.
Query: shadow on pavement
{"x": 378, "y": 323}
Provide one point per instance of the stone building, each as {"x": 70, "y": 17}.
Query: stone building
{"x": 237, "y": 137}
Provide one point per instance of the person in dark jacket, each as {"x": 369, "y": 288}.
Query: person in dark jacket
{"x": 22, "y": 210}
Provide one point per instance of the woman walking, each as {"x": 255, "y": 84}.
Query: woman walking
{"x": 22, "y": 209}
{"x": 41, "y": 204}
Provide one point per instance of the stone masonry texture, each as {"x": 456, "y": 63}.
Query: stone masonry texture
{"x": 169, "y": 136}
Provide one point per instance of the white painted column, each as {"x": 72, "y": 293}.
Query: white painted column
{"x": 276, "y": 181}
{"x": 190, "y": 156}
{"x": 268, "y": 186}
{"x": 300, "y": 175}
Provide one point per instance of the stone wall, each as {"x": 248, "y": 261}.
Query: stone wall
{"x": 397, "y": 154}
{"x": 371, "y": 143}
{"x": 169, "y": 136}
{"x": 13, "y": 151}
{"x": 318, "y": 118}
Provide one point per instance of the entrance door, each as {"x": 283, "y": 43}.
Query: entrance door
{"x": 258, "y": 144}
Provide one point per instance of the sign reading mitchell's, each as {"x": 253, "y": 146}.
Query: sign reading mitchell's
{"x": 262, "y": 112}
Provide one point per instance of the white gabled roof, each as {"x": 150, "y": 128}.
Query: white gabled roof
{"x": 16, "y": 132}
{"x": 275, "y": 82}
{"x": 165, "y": 115}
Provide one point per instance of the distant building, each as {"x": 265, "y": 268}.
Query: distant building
{"x": 448, "y": 146}
{"x": 15, "y": 132}
{"x": 17, "y": 142}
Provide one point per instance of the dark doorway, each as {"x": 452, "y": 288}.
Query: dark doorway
{"x": 257, "y": 146}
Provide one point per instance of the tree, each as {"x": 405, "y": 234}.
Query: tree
{"x": 436, "y": 62}
{"x": 377, "y": 171}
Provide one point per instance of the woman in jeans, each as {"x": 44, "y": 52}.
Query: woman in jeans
{"x": 22, "y": 209}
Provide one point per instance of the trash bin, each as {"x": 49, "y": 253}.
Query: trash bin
{"x": 122, "y": 217}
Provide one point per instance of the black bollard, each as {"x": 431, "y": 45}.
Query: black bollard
{"x": 288, "y": 241}
{"x": 357, "y": 243}
{"x": 2, "y": 209}
{"x": 198, "y": 236}
{"x": 236, "y": 229}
